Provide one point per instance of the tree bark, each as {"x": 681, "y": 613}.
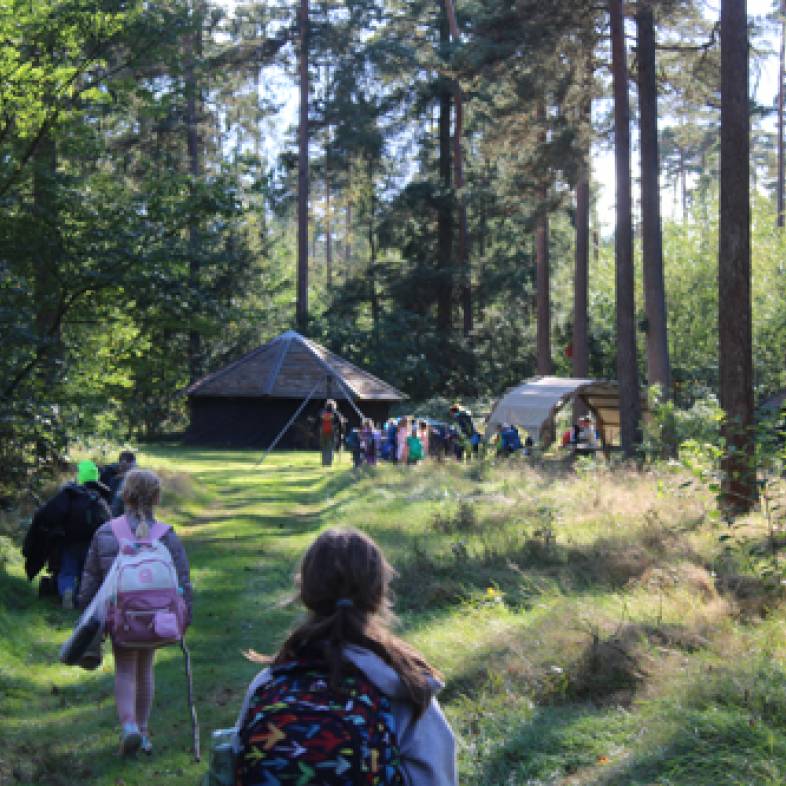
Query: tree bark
{"x": 580, "y": 342}
{"x": 328, "y": 225}
{"x": 542, "y": 277}
{"x": 542, "y": 286}
{"x": 630, "y": 403}
{"x": 781, "y": 78}
{"x": 738, "y": 485}
{"x": 445, "y": 204}
{"x": 658, "y": 366}
{"x": 301, "y": 309}
{"x": 194, "y": 150}
{"x": 348, "y": 223}
{"x": 372, "y": 245}
{"x": 458, "y": 184}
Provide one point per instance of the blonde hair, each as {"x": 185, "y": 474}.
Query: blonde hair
{"x": 141, "y": 492}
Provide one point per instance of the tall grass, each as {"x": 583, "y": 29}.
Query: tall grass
{"x": 591, "y": 624}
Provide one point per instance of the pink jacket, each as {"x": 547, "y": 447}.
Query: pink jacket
{"x": 401, "y": 439}
{"x": 102, "y": 553}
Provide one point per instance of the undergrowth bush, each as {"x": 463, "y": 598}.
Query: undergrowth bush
{"x": 463, "y": 519}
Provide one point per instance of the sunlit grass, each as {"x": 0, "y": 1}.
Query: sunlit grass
{"x": 517, "y": 582}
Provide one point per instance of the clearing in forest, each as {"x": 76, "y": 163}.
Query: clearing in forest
{"x": 591, "y": 626}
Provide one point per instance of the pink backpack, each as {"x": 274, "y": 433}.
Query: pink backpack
{"x": 147, "y": 609}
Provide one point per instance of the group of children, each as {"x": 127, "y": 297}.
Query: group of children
{"x": 343, "y": 701}
{"x": 403, "y": 441}
{"x": 410, "y": 440}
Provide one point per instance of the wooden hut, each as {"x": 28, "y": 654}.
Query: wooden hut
{"x": 250, "y": 401}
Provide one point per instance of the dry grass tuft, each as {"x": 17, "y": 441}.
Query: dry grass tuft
{"x": 752, "y": 597}
{"x": 682, "y": 574}
{"x": 613, "y": 669}
{"x": 610, "y": 670}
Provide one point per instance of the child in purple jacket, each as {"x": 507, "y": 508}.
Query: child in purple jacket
{"x": 134, "y": 678}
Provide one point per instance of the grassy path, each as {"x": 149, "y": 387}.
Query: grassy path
{"x": 244, "y": 528}
{"x": 575, "y": 615}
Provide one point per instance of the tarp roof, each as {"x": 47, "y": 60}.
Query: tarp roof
{"x": 290, "y": 366}
{"x": 532, "y": 404}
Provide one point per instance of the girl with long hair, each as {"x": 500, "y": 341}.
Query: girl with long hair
{"x": 343, "y": 582}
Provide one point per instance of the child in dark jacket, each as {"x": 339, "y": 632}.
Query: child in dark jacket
{"x": 343, "y": 583}
{"x": 133, "y": 667}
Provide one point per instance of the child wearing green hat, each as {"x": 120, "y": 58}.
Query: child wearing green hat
{"x": 62, "y": 528}
{"x": 88, "y": 509}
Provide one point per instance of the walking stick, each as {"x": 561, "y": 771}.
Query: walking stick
{"x": 191, "y": 705}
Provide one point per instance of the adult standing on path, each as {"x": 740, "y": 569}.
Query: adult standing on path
{"x": 328, "y": 428}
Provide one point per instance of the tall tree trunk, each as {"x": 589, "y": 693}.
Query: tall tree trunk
{"x": 630, "y": 403}
{"x": 781, "y": 78}
{"x": 445, "y": 205}
{"x": 194, "y": 148}
{"x": 328, "y": 225}
{"x": 301, "y": 310}
{"x": 738, "y": 486}
{"x": 658, "y": 367}
{"x": 348, "y": 222}
{"x": 683, "y": 185}
{"x": 580, "y": 341}
{"x": 482, "y": 237}
{"x": 542, "y": 277}
{"x": 543, "y": 305}
{"x": 458, "y": 184}
{"x": 372, "y": 245}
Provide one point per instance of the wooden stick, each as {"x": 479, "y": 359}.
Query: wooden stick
{"x": 191, "y": 704}
{"x": 289, "y": 423}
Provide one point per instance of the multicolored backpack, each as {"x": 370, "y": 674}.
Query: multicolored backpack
{"x": 299, "y": 731}
{"x": 147, "y": 609}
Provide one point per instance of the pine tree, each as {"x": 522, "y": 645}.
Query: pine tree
{"x": 627, "y": 374}
{"x": 738, "y": 486}
{"x": 781, "y": 86}
{"x": 301, "y": 314}
{"x": 658, "y": 367}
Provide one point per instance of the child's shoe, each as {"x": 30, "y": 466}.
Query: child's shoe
{"x": 130, "y": 739}
{"x": 147, "y": 745}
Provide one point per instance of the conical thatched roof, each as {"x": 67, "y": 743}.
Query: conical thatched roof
{"x": 290, "y": 366}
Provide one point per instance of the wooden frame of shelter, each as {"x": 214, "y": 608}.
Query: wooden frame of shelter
{"x": 534, "y": 404}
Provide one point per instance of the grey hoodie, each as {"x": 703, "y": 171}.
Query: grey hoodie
{"x": 427, "y": 745}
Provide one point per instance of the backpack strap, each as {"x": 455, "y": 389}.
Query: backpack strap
{"x": 121, "y": 529}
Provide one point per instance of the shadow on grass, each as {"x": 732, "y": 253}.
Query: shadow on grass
{"x": 724, "y": 727}
{"x": 552, "y": 743}
{"x": 727, "y": 728}
{"x": 524, "y": 565}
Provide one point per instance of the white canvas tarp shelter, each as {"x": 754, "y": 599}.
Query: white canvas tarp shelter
{"x": 533, "y": 404}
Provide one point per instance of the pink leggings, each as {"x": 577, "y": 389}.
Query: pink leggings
{"x": 134, "y": 685}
